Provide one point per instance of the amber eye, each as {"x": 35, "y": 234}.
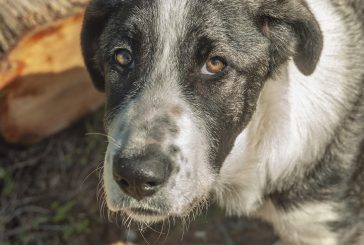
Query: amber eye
{"x": 124, "y": 58}
{"x": 213, "y": 66}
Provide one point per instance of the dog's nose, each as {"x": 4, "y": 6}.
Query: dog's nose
{"x": 140, "y": 177}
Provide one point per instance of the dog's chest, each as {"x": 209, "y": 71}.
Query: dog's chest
{"x": 306, "y": 225}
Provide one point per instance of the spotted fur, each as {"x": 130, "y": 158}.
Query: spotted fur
{"x": 278, "y": 134}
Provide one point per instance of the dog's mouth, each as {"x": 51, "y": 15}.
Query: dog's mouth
{"x": 145, "y": 215}
{"x": 146, "y": 212}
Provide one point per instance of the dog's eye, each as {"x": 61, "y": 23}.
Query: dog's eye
{"x": 213, "y": 66}
{"x": 124, "y": 58}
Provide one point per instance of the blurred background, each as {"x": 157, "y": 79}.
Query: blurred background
{"x": 51, "y": 147}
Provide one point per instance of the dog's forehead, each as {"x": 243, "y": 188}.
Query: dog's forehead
{"x": 173, "y": 10}
{"x": 178, "y": 18}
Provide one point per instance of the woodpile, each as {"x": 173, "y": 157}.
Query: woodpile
{"x": 44, "y": 86}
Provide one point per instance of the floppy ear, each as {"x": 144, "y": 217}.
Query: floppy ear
{"x": 293, "y": 31}
{"x": 95, "y": 17}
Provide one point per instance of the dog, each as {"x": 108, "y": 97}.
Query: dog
{"x": 255, "y": 104}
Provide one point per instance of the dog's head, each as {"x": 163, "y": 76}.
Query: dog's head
{"x": 182, "y": 78}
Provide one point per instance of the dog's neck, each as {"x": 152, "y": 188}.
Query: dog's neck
{"x": 288, "y": 134}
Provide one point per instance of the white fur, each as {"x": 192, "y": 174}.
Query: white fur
{"x": 195, "y": 178}
{"x": 170, "y": 27}
{"x": 306, "y": 225}
{"x": 295, "y": 119}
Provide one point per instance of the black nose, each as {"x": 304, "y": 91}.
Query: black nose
{"x": 140, "y": 177}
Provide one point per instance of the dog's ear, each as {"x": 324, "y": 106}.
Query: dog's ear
{"x": 95, "y": 18}
{"x": 293, "y": 31}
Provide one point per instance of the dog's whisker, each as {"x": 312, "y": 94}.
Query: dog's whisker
{"x": 130, "y": 221}
{"x": 161, "y": 231}
{"x": 141, "y": 233}
{"x": 154, "y": 230}
{"x": 168, "y": 229}
{"x": 183, "y": 222}
{"x": 91, "y": 173}
{"x": 104, "y": 209}
{"x": 100, "y": 191}
{"x": 110, "y": 138}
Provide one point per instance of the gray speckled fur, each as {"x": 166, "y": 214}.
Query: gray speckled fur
{"x": 338, "y": 176}
{"x": 227, "y": 104}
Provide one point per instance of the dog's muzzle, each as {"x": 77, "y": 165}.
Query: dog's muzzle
{"x": 158, "y": 165}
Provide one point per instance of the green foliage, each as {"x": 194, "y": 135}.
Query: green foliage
{"x": 73, "y": 225}
{"x": 5, "y": 177}
{"x": 64, "y": 217}
{"x": 76, "y": 227}
{"x": 62, "y": 212}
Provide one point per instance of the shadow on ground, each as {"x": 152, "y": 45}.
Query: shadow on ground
{"x": 48, "y": 196}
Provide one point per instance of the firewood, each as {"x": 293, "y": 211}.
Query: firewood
{"x": 44, "y": 86}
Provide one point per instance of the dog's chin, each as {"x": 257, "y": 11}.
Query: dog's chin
{"x": 137, "y": 214}
{"x": 142, "y": 215}
{"x": 148, "y": 215}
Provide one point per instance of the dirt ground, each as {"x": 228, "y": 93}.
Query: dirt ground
{"x": 48, "y": 196}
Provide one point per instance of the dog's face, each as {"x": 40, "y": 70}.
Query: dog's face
{"x": 182, "y": 78}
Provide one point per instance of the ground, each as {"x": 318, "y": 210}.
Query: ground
{"x": 49, "y": 196}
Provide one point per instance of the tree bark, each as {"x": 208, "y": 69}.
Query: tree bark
{"x": 18, "y": 17}
{"x": 44, "y": 86}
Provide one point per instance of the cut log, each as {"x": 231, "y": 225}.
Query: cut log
{"x": 44, "y": 86}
